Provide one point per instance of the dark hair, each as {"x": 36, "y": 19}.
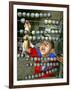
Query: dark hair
{"x": 52, "y": 43}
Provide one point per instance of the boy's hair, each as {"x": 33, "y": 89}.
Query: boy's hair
{"x": 49, "y": 41}
{"x": 52, "y": 43}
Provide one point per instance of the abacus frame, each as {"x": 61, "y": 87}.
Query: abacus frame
{"x": 11, "y": 4}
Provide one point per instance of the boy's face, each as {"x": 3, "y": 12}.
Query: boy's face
{"x": 45, "y": 48}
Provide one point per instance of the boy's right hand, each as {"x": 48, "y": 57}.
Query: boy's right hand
{"x": 26, "y": 37}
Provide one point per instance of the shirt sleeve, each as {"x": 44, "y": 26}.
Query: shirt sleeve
{"x": 32, "y": 52}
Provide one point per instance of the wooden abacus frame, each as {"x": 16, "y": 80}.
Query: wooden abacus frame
{"x": 11, "y": 77}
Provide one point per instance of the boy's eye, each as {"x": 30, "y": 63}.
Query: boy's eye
{"x": 46, "y": 44}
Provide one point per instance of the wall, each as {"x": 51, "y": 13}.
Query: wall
{"x": 4, "y": 46}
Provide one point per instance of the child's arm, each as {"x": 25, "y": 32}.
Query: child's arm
{"x": 26, "y": 43}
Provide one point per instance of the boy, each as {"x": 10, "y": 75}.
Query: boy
{"x": 46, "y": 49}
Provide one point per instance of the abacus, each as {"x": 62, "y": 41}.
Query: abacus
{"x": 45, "y": 25}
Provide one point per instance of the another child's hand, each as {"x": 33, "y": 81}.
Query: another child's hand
{"x": 60, "y": 59}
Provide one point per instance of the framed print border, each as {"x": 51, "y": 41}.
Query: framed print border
{"x": 11, "y": 31}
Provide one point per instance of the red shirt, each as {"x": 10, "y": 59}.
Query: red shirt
{"x": 33, "y": 52}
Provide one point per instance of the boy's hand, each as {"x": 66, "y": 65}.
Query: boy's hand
{"x": 26, "y": 37}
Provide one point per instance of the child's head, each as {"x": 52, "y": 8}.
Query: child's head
{"x": 46, "y": 46}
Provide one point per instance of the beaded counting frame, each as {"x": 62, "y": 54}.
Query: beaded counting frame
{"x": 46, "y": 29}
{"x": 38, "y": 35}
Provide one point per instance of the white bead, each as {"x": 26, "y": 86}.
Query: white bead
{"x": 42, "y": 73}
{"x": 42, "y": 37}
{"x": 49, "y": 21}
{"x": 22, "y": 20}
{"x": 32, "y": 76}
{"x": 56, "y": 31}
{"x": 20, "y": 48}
{"x": 50, "y": 71}
{"x": 41, "y": 58}
{"x": 34, "y": 37}
{"x": 46, "y": 38}
{"x": 49, "y": 30}
{"x": 57, "y": 64}
{"x": 45, "y": 14}
{"x": 27, "y": 64}
{"x": 27, "y": 59}
{"x": 51, "y": 59}
{"x": 36, "y": 75}
{"x": 47, "y": 64}
{"x": 56, "y": 38}
{"x": 36, "y": 15}
{"x": 50, "y": 38}
{"x": 41, "y": 15}
{"x": 52, "y": 31}
{"x": 54, "y": 59}
{"x": 45, "y": 21}
{"x": 49, "y": 14}
{"x": 59, "y": 31}
{"x": 34, "y": 64}
{"x": 38, "y": 64}
{"x": 24, "y": 14}
{"x": 43, "y": 67}
{"x": 30, "y": 37}
{"x": 48, "y": 59}
{"x": 33, "y": 32}
{"x": 38, "y": 59}
{"x": 53, "y": 22}
{"x": 50, "y": 64}
{"x": 41, "y": 64}
{"x": 21, "y": 30}
{"x": 45, "y": 59}
{"x": 21, "y": 55}
{"x": 57, "y": 22}
{"x": 18, "y": 55}
{"x": 28, "y": 14}
{"x": 32, "y": 14}
{"x": 29, "y": 77}
{"x": 46, "y": 72}
{"x": 39, "y": 74}
{"x": 26, "y": 77}
{"x": 35, "y": 59}
{"x": 38, "y": 38}
{"x": 44, "y": 64}
{"x": 54, "y": 64}
{"x": 31, "y": 64}
{"x": 31, "y": 59}
{"x": 46, "y": 29}
{"x": 27, "y": 56}
{"x": 41, "y": 32}
{"x": 55, "y": 69}
{"x": 19, "y": 14}
{"x": 37, "y": 32}
{"x": 53, "y": 38}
